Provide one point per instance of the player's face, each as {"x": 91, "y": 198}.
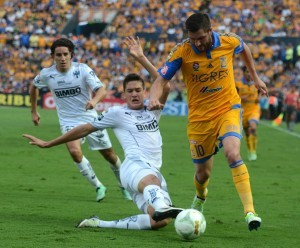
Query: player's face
{"x": 62, "y": 57}
{"x": 134, "y": 95}
{"x": 201, "y": 39}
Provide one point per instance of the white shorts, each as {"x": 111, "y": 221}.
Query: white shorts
{"x": 131, "y": 173}
{"x": 98, "y": 140}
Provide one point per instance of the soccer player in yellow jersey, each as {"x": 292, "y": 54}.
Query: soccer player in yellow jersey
{"x": 214, "y": 106}
{"x": 251, "y": 111}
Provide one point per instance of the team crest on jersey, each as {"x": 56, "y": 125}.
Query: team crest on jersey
{"x": 223, "y": 62}
{"x": 76, "y": 74}
{"x": 164, "y": 70}
{"x": 196, "y": 66}
{"x": 92, "y": 73}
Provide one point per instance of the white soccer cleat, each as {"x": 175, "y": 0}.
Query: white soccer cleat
{"x": 94, "y": 221}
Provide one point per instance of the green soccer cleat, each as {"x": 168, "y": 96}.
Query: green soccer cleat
{"x": 93, "y": 221}
{"x": 198, "y": 204}
{"x": 253, "y": 221}
{"x": 126, "y": 194}
{"x": 252, "y": 156}
{"x": 100, "y": 193}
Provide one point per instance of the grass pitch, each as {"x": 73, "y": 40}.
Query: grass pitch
{"x": 43, "y": 195}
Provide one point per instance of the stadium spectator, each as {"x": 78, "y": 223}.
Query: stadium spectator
{"x": 205, "y": 60}
{"x": 292, "y": 103}
{"x": 70, "y": 84}
{"x": 140, "y": 171}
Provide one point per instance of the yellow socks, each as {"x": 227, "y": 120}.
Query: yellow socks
{"x": 201, "y": 188}
{"x": 242, "y": 184}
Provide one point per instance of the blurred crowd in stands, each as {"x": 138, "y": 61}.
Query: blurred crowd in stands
{"x": 28, "y": 28}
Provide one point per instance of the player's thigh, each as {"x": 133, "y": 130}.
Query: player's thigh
{"x": 99, "y": 140}
{"x": 202, "y": 137}
{"x": 230, "y": 124}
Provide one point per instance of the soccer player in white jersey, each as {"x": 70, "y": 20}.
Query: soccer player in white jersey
{"x": 138, "y": 133}
{"x": 72, "y": 85}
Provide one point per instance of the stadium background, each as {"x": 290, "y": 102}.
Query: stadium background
{"x": 28, "y": 28}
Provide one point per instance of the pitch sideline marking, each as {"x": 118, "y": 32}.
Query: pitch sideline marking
{"x": 280, "y": 129}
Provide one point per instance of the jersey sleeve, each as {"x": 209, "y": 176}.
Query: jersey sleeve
{"x": 237, "y": 42}
{"x": 173, "y": 63}
{"x": 91, "y": 78}
{"x": 40, "y": 80}
{"x": 107, "y": 119}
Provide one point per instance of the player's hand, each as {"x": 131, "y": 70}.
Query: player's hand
{"x": 90, "y": 105}
{"x": 35, "y": 118}
{"x": 35, "y": 141}
{"x": 261, "y": 86}
{"x": 155, "y": 105}
{"x": 134, "y": 46}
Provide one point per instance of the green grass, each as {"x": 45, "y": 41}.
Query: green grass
{"x": 43, "y": 195}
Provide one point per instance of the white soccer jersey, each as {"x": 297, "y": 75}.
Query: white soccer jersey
{"x": 137, "y": 132}
{"x": 71, "y": 91}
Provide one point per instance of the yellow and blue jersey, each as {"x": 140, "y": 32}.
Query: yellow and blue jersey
{"x": 249, "y": 95}
{"x": 208, "y": 76}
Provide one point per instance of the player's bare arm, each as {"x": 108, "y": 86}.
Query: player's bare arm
{"x": 246, "y": 56}
{"x": 156, "y": 93}
{"x": 35, "y": 116}
{"x": 74, "y": 134}
{"x": 136, "y": 51}
{"x": 99, "y": 95}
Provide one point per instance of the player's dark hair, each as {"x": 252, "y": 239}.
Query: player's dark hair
{"x": 132, "y": 77}
{"x": 63, "y": 42}
{"x": 198, "y": 21}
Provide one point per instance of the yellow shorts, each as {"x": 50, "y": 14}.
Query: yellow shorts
{"x": 205, "y": 138}
{"x": 249, "y": 115}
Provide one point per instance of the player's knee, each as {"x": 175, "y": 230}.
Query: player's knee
{"x": 232, "y": 155}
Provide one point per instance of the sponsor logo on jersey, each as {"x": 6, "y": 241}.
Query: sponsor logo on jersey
{"x": 76, "y": 74}
{"x": 61, "y": 82}
{"x": 151, "y": 126}
{"x": 164, "y": 70}
{"x": 210, "y": 65}
{"x": 210, "y": 77}
{"x": 67, "y": 92}
{"x": 223, "y": 62}
{"x": 196, "y": 66}
{"x": 208, "y": 90}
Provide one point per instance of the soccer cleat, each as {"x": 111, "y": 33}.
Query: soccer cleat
{"x": 126, "y": 194}
{"x": 253, "y": 221}
{"x": 165, "y": 213}
{"x": 93, "y": 221}
{"x": 100, "y": 193}
{"x": 252, "y": 156}
{"x": 198, "y": 204}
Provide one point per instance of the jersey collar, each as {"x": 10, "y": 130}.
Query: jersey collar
{"x": 216, "y": 43}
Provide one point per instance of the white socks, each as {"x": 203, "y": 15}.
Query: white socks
{"x": 87, "y": 171}
{"x": 136, "y": 222}
{"x": 154, "y": 196}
